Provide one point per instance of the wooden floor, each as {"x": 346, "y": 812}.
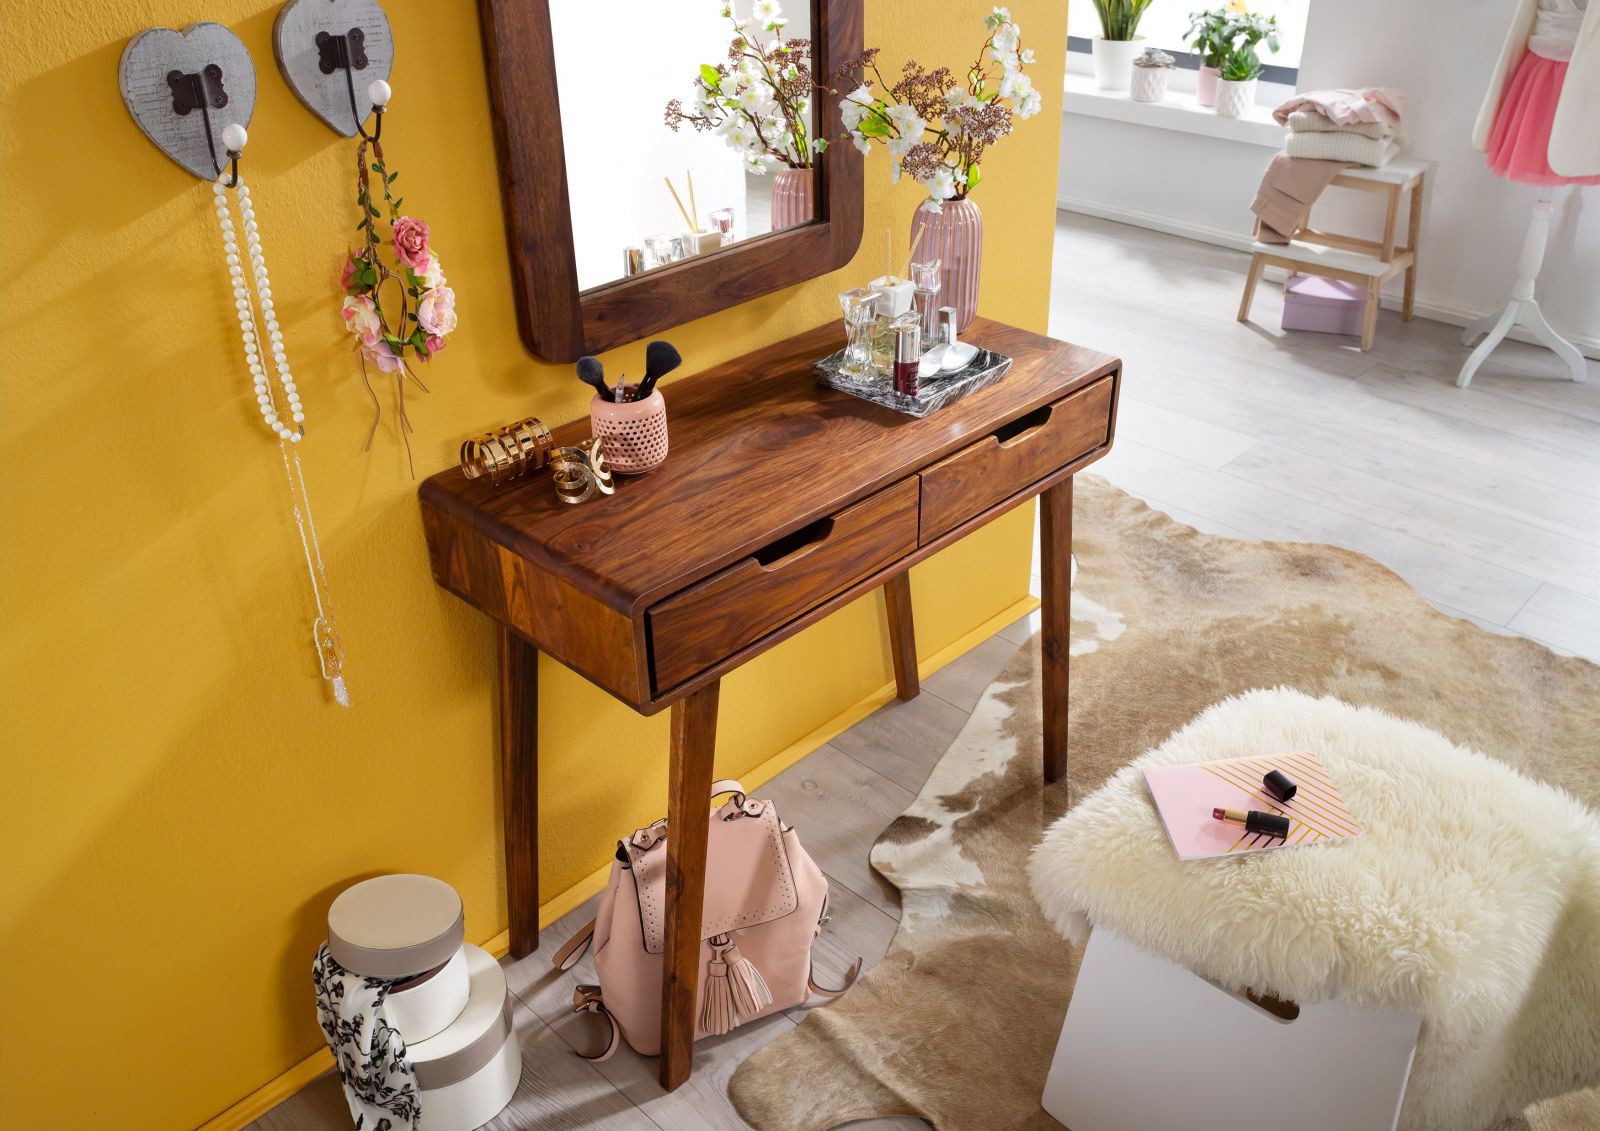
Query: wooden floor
{"x": 1486, "y": 500}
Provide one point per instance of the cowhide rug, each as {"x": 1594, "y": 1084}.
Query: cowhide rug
{"x": 959, "y": 1021}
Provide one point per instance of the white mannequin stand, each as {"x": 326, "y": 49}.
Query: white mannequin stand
{"x": 1522, "y": 309}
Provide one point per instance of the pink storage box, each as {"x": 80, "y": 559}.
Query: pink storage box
{"x": 1328, "y": 306}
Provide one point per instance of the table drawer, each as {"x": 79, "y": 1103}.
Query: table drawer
{"x": 711, "y": 620}
{"x": 1014, "y": 456}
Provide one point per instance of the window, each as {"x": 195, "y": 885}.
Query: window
{"x": 1164, "y": 25}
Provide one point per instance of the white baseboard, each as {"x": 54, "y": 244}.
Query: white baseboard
{"x": 1438, "y": 312}
{"x": 1219, "y": 236}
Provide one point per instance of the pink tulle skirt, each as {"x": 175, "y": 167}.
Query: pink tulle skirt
{"x": 1519, "y": 144}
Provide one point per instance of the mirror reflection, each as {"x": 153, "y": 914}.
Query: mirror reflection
{"x": 687, "y": 127}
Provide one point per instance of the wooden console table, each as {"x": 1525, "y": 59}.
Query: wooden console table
{"x": 780, "y": 502}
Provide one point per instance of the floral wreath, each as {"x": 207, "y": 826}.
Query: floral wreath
{"x": 427, "y": 306}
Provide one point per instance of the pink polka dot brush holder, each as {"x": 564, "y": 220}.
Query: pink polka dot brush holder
{"x": 634, "y": 432}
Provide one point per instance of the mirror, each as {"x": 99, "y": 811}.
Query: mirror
{"x": 710, "y": 121}
{"x": 583, "y": 187}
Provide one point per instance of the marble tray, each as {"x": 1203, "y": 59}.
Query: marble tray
{"x": 934, "y": 393}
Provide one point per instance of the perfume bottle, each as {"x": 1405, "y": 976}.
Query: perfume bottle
{"x": 859, "y": 307}
{"x": 926, "y": 282}
{"x": 895, "y": 310}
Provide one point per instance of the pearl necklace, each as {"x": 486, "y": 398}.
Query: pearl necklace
{"x": 324, "y": 631}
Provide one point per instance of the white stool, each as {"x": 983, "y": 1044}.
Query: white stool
{"x": 1149, "y": 1045}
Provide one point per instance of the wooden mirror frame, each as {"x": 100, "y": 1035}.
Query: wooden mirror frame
{"x": 560, "y": 323}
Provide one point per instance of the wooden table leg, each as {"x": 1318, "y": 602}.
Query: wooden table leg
{"x": 1414, "y": 238}
{"x": 902, "y": 635}
{"x": 1257, "y": 264}
{"x": 1055, "y": 545}
{"x": 519, "y": 769}
{"x": 694, "y": 742}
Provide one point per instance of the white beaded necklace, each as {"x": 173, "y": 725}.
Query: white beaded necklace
{"x": 325, "y": 633}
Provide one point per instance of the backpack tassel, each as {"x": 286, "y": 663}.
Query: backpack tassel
{"x": 750, "y": 992}
{"x": 717, "y": 1018}
{"x": 735, "y": 989}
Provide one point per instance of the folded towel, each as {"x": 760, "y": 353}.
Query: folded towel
{"x": 1370, "y": 151}
{"x": 1346, "y": 107}
{"x": 1288, "y": 189}
{"x": 1315, "y": 122}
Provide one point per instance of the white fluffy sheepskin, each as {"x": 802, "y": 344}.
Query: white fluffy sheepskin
{"x": 1472, "y": 897}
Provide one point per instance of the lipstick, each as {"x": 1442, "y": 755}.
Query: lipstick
{"x": 1264, "y": 824}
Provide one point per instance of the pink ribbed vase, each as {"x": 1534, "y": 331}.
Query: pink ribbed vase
{"x": 793, "y": 197}
{"x": 954, "y": 236}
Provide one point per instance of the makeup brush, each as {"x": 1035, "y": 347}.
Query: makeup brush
{"x": 660, "y": 358}
{"x": 593, "y": 374}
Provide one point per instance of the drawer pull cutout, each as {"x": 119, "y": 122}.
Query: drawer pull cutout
{"x": 793, "y": 547}
{"x": 1023, "y": 426}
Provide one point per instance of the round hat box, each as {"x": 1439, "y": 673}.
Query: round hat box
{"x": 408, "y": 928}
{"x": 423, "y": 1006}
{"x": 467, "y": 1073}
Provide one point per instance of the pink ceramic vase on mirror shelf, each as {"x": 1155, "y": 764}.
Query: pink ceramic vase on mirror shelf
{"x": 936, "y": 128}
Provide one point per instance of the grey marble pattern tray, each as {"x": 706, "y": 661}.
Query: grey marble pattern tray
{"x": 985, "y": 368}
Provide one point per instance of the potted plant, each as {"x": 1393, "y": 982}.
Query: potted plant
{"x": 1216, "y": 33}
{"x": 1236, "y": 83}
{"x": 1115, "y": 49}
{"x": 1150, "y": 71}
{"x": 759, "y": 102}
{"x": 937, "y": 125}
{"x": 1208, "y": 36}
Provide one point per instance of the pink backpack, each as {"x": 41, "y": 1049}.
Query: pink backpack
{"x": 766, "y": 901}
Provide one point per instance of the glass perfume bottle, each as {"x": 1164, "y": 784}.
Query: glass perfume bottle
{"x": 859, "y": 306}
{"x": 722, "y": 221}
{"x": 926, "y": 281}
{"x": 895, "y": 310}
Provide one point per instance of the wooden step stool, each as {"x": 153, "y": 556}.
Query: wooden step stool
{"x": 1369, "y": 262}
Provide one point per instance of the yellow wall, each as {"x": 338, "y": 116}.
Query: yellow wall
{"x": 180, "y": 803}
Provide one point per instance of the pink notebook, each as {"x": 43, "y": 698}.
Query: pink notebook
{"x": 1185, "y": 795}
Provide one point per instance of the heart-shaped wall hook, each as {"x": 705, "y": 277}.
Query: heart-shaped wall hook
{"x": 175, "y": 83}
{"x": 303, "y": 38}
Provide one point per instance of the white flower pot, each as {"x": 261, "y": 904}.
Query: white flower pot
{"x": 1113, "y": 61}
{"x": 1234, "y": 99}
{"x": 1150, "y": 83}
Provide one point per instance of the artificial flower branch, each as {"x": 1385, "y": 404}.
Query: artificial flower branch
{"x": 759, "y": 101}
{"x": 426, "y": 304}
{"x": 935, "y": 128}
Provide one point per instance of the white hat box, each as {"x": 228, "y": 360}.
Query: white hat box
{"x": 409, "y": 928}
{"x": 467, "y": 1073}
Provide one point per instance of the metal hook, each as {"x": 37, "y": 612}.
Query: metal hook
{"x": 347, "y": 53}
{"x": 202, "y": 91}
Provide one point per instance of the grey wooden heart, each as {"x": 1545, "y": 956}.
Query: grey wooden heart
{"x": 165, "y": 74}
{"x": 327, "y": 93}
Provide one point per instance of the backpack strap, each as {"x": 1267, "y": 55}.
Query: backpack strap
{"x": 586, "y": 999}
{"x": 574, "y": 948}
{"x": 824, "y": 991}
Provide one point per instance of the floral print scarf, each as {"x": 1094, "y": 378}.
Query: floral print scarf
{"x": 378, "y": 1081}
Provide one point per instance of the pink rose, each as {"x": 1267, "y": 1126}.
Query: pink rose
{"x": 436, "y": 312}
{"x": 379, "y": 353}
{"x": 411, "y": 242}
{"x": 434, "y": 344}
{"x": 352, "y": 268}
{"x": 360, "y": 315}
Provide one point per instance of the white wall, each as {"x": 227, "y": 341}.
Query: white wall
{"x": 1440, "y": 52}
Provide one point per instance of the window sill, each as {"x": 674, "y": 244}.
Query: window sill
{"x": 1178, "y": 112}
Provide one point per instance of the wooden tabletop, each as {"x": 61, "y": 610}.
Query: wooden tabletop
{"x": 743, "y": 436}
